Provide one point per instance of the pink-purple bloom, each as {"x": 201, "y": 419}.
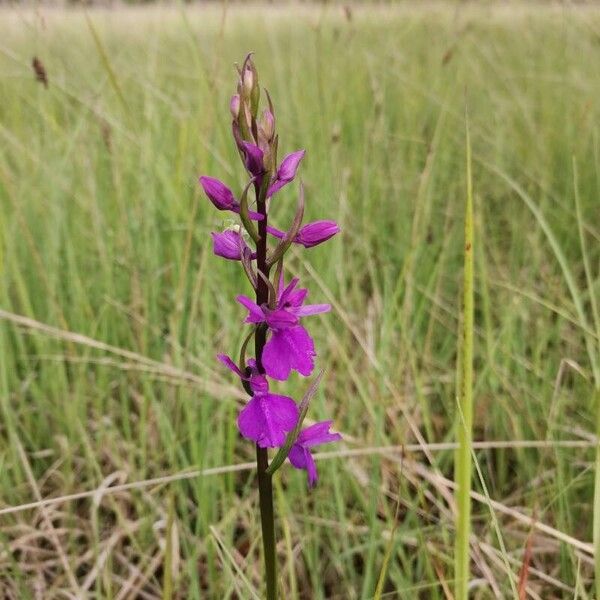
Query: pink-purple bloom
{"x": 286, "y": 171}
{"x": 300, "y": 455}
{"x": 281, "y": 343}
{"x": 222, "y": 197}
{"x": 267, "y": 419}
{"x": 230, "y": 244}
{"x": 289, "y": 346}
{"x": 311, "y": 234}
{"x": 257, "y": 381}
{"x": 253, "y": 159}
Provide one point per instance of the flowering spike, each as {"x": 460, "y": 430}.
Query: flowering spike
{"x": 276, "y": 311}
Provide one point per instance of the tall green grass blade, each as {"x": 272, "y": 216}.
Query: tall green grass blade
{"x": 112, "y": 76}
{"x": 464, "y": 420}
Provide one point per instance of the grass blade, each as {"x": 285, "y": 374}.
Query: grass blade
{"x": 464, "y": 421}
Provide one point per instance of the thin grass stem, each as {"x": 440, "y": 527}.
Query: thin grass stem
{"x": 464, "y": 421}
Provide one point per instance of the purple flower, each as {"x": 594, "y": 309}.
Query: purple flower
{"x": 253, "y": 158}
{"x": 230, "y": 245}
{"x": 222, "y": 197}
{"x": 300, "y": 455}
{"x": 258, "y": 382}
{"x": 311, "y": 234}
{"x": 267, "y": 419}
{"x": 289, "y": 347}
{"x": 286, "y": 171}
{"x": 290, "y": 307}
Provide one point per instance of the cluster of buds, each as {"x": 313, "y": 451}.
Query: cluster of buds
{"x": 282, "y": 344}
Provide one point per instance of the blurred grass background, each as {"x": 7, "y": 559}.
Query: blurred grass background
{"x": 104, "y": 233}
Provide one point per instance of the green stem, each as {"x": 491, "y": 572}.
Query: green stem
{"x": 265, "y": 484}
{"x": 267, "y": 520}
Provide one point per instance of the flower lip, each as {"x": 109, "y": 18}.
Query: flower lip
{"x": 267, "y": 419}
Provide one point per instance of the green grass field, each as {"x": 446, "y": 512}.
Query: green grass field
{"x": 112, "y": 306}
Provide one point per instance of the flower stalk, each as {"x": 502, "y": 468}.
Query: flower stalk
{"x": 282, "y": 345}
{"x": 265, "y": 482}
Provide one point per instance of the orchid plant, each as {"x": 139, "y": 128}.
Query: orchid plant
{"x": 281, "y": 342}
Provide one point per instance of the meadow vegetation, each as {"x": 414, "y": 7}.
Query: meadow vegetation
{"x": 112, "y": 308}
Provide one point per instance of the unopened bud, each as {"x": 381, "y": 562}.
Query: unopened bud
{"x": 267, "y": 124}
{"x": 247, "y": 81}
{"x": 234, "y": 106}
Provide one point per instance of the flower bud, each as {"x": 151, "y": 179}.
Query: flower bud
{"x": 253, "y": 158}
{"x": 247, "y": 81}
{"x": 218, "y": 193}
{"x": 313, "y": 234}
{"x": 229, "y": 244}
{"x": 267, "y": 125}
{"x": 286, "y": 171}
{"x": 234, "y": 106}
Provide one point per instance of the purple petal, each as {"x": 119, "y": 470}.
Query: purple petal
{"x": 297, "y": 456}
{"x": 254, "y": 216}
{"x": 289, "y": 165}
{"x": 317, "y": 434}
{"x": 275, "y": 232}
{"x": 312, "y": 309}
{"x": 289, "y": 349}
{"x": 286, "y": 171}
{"x": 258, "y": 382}
{"x": 281, "y": 319}
{"x": 228, "y": 362}
{"x": 222, "y": 197}
{"x": 301, "y": 458}
{"x": 218, "y": 193}
{"x": 285, "y": 293}
{"x": 253, "y": 158}
{"x": 228, "y": 244}
{"x": 296, "y": 298}
{"x": 267, "y": 419}
{"x": 255, "y": 313}
{"x": 316, "y": 233}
